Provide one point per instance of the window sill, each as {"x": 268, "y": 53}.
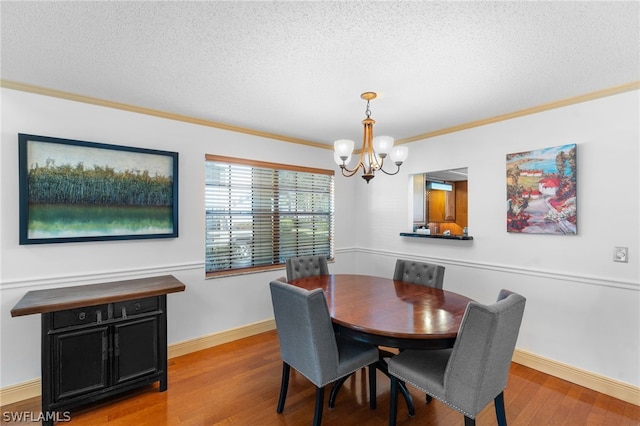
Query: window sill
{"x": 437, "y": 236}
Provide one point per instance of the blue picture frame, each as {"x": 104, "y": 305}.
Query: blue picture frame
{"x": 79, "y": 191}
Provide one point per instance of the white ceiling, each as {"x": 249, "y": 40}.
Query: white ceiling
{"x": 298, "y": 68}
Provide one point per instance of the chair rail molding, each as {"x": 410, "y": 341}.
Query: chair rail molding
{"x": 541, "y": 273}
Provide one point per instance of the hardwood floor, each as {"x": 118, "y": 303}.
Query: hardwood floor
{"x": 238, "y": 383}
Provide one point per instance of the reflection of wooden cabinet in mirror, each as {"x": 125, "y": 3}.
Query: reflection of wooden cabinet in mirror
{"x": 447, "y": 210}
{"x": 450, "y": 205}
{"x": 441, "y": 203}
{"x": 462, "y": 217}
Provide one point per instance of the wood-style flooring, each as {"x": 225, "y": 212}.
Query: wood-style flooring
{"x": 238, "y": 384}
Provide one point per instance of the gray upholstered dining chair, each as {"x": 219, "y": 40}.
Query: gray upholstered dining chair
{"x": 306, "y": 266}
{"x": 475, "y": 371}
{"x": 309, "y": 344}
{"x": 422, "y": 273}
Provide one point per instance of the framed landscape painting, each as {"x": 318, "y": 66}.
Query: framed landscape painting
{"x": 541, "y": 191}
{"x": 73, "y": 191}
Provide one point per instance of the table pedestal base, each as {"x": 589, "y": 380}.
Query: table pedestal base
{"x": 382, "y": 366}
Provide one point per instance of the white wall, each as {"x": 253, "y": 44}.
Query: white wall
{"x": 583, "y": 309}
{"x": 207, "y": 306}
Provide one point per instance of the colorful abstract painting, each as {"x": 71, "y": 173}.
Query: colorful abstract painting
{"x": 541, "y": 191}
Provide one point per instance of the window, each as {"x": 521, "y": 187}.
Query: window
{"x": 259, "y": 214}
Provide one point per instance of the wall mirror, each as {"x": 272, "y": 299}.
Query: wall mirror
{"x": 440, "y": 202}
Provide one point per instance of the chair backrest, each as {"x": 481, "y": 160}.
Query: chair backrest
{"x": 306, "y": 266}
{"x": 479, "y": 364}
{"x": 306, "y": 336}
{"x": 428, "y": 274}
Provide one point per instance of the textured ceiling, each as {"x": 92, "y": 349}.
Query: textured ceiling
{"x": 298, "y": 68}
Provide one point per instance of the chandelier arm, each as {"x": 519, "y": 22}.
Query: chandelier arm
{"x": 390, "y": 174}
{"x": 376, "y": 156}
{"x": 351, "y": 172}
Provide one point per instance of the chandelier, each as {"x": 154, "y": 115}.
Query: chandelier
{"x": 373, "y": 152}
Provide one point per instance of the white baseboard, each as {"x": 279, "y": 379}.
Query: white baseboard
{"x": 20, "y": 392}
{"x": 596, "y": 382}
{"x": 215, "y": 339}
{"x": 602, "y": 384}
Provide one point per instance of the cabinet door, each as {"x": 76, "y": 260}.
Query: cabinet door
{"x": 441, "y": 205}
{"x": 435, "y": 206}
{"x": 450, "y": 204}
{"x": 81, "y": 362}
{"x": 136, "y": 349}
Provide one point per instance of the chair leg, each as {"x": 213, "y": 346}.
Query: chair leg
{"x": 334, "y": 390}
{"x": 469, "y": 421}
{"x": 501, "y": 415}
{"x": 284, "y": 385}
{"x": 317, "y": 413}
{"x": 372, "y": 386}
{"x": 393, "y": 401}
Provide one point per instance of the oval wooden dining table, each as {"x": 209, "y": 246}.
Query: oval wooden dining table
{"x": 385, "y": 312}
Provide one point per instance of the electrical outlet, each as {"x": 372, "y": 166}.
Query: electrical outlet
{"x": 621, "y": 254}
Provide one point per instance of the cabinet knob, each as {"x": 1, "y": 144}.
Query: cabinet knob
{"x": 82, "y": 316}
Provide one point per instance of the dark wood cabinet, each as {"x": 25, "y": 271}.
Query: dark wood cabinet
{"x": 100, "y": 340}
{"x": 91, "y": 353}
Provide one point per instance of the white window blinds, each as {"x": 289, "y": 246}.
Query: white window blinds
{"x": 259, "y": 214}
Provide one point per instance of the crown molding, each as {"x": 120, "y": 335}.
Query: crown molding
{"x": 627, "y": 87}
{"x": 152, "y": 112}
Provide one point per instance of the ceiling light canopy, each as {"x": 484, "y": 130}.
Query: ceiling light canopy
{"x": 374, "y": 149}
